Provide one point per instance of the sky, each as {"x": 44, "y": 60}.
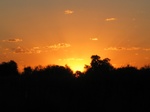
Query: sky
{"x": 46, "y": 32}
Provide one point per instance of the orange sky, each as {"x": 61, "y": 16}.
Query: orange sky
{"x": 42, "y": 32}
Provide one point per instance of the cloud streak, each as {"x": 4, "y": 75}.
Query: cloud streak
{"x": 58, "y": 46}
{"x": 94, "y": 39}
{"x": 122, "y": 49}
{"x": 126, "y": 49}
{"x": 21, "y": 50}
{"x": 13, "y": 40}
{"x": 146, "y": 49}
{"x": 68, "y": 12}
{"x": 37, "y": 50}
{"x": 110, "y": 19}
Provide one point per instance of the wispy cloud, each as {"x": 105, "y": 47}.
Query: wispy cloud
{"x": 112, "y": 49}
{"x": 58, "y": 46}
{"x": 26, "y": 50}
{"x": 110, "y": 19}
{"x": 13, "y": 40}
{"x": 68, "y": 12}
{"x": 21, "y": 50}
{"x": 6, "y": 49}
{"x": 36, "y": 50}
{"x": 146, "y": 49}
{"x": 94, "y": 39}
{"x": 126, "y": 49}
{"x": 122, "y": 48}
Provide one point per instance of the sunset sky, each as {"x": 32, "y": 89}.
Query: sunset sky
{"x": 43, "y": 32}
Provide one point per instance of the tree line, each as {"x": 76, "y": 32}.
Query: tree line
{"x": 100, "y": 87}
{"x": 97, "y": 66}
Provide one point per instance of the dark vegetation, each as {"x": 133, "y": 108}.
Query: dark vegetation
{"x": 100, "y": 88}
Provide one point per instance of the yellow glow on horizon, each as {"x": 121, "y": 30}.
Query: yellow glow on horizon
{"x": 77, "y": 67}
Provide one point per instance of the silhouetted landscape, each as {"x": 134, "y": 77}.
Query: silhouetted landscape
{"x": 101, "y": 87}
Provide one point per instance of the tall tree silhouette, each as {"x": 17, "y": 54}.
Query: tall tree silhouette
{"x": 96, "y": 62}
{"x": 101, "y": 65}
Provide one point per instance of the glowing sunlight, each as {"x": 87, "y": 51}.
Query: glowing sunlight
{"x": 77, "y": 67}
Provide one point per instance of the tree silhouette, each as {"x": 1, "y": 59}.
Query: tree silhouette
{"x": 9, "y": 68}
{"x": 27, "y": 71}
{"x": 106, "y": 65}
{"x": 96, "y": 62}
{"x": 58, "y": 72}
{"x": 99, "y": 65}
{"x": 56, "y": 87}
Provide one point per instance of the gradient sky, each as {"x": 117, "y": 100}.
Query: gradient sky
{"x": 42, "y": 32}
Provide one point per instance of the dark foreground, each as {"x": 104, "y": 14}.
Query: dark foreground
{"x": 103, "y": 94}
{"x": 101, "y": 88}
